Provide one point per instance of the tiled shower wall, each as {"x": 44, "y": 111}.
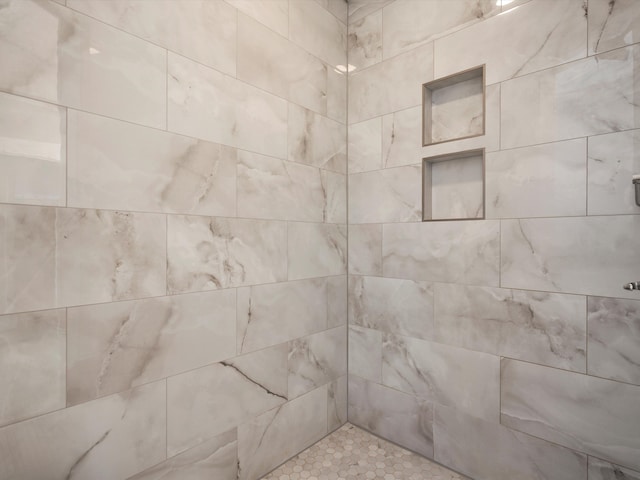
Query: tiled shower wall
{"x": 172, "y": 236}
{"x": 506, "y": 347}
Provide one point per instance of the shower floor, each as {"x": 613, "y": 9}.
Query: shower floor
{"x": 351, "y": 452}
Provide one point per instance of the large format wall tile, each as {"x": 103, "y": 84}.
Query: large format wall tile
{"x": 273, "y": 437}
{"x": 272, "y": 13}
{"x": 365, "y": 145}
{"x": 365, "y": 353}
{"x": 205, "y": 253}
{"x": 316, "y": 250}
{"x": 575, "y": 255}
{"x": 559, "y": 37}
{"x": 337, "y": 403}
{"x": 402, "y": 138}
{"x": 613, "y": 24}
{"x": 601, "y": 470}
{"x": 334, "y": 186}
{"x": 32, "y": 152}
{"x": 588, "y": 414}
{"x": 403, "y": 307}
{"x": 364, "y": 42}
{"x": 126, "y": 75}
{"x": 83, "y": 441}
{"x": 113, "y": 347}
{"x": 202, "y": 30}
{"x": 361, "y": 8}
{"x": 336, "y": 301}
{"x": 469, "y": 381}
{"x": 211, "y": 400}
{"x": 365, "y": 249}
{"x": 147, "y": 170}
{"x": 488, "y": 451}
{"x": 540, "y": 327}
{"x": 395, "y": 416}
{"x": 461, "y": 252}
{"x": 572, "y": 100}
{"x": 32, "y": 364}
{"x": 614, "y": 339}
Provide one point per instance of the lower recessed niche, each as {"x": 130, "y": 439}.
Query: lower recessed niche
{"x": 453, "y": 186}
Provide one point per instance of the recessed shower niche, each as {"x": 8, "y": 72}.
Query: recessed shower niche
{"x": 454, "y": 107}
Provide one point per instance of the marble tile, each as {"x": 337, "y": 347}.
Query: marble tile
{"x": 266, "y": 441}
{"x": 488, "y": 451}
{"x": 273, "y": 63}
{"x": 338, "y": 8}
{"x": 602, "y": 470}
{"x": 207, "y": 253}
{"x": 402, "y": 138}
{"x": 273, "y": 314}
{"x": 612, "y": 24}
{"x": 113, "y": 347}
{"x": 450, "y": 376}
{"x": 316, "y": 250}
{"x": 127, "y": 76}
{"x": 613, "y": 159}
{"x": 202, "y": 30}
{"x": 272, "y": 13}
{"x": 365, "y": 146}
{"x": 582, "y": 98}
{"x": 393, "y": 415}
{"x": 365, "y": 249}
{"x": 32, "y": 364}
{"x": 207, "y": 104}
{"x": 213, "y": 399}
{"x": 334, "y": 186}
{"x": 317, "y": 360}
{"x": 337, "y": 403}
{"x": 389, "y": 86}
{"x": 614, "y": 339}
{"x": 364, "y": 41}
{"x": 455, "y": 252}
{"x": 318, "y": 31}
{"x": 337, "y": 95}
{"x": 360, "y": 8}
{"x": 146, "y": 169}
{"x": 271, "y": 188}
{"x": 316, "y": 140}
{"x": 33, "y": 155}
{"x": 215, "y": 458}
{"x": 390, "y": 195}
{"x": 403, "y": 307}
{"x": 559, "y": 37}
{"x": 365, "y": 353}
{"x": 586, "y": 255}
{"x": 83, "y": 441}
{"x": 457, "y": 188}
{"x": 588, "y": 414}
{"x": 539, "y": 327}
{"x": 542, "y": 181}
{"x": 410, "y": 23}
{"x": 336, "y": 301}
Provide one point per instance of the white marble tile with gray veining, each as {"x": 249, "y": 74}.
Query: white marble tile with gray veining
{"x": 613, "y": 160}
{"x": 83, "y": 441}
{"x": 338, "y": 8}
{"x": 316, "y": 250}
{"x": 542, "y": 181}
{"x": 206, "y": 253}
{"x": 539, "y": 327}
{"x": 273, "y": 314}
{"x": 457, "y": 188}
{"x": 207, "y": 104}
{"x": 488, "y": 451}
{"x": 271, "y": 13}
{"x": 581, "y": 98}
{"x": 202, "y": 30}
{"x": 316, "y": 140}
{"x": 334, "y": 187}
{"x": 614, "y": 339}
{"x": 146, "y": 169}
{"x": 213, "y": 399}
{"x": 603, "y": 470}
{"x": 266, "y": 441}
{"x": 559, "y": 37}
{"x": 365, "y": 353}
{"x": 337, "y": 403}
{"x": 456, "y": 252}
{"x": 116, "y": 346}
{"x": 402, "y": 138}
{"x": 361, "y": 8}
{"x": 215, "y": 458}
{"x": 336, "y": 301}
{"x": 318, "y": 31}
{"x": 365, "y": 146}
{"x": 404, "y": 307}
{"x": 127, "y": 75}
{"x": 389, "y": 195}
{"x": 32, "y": 364}
{"x": 317, "y": 360}
{"x": 365, "y": 249}
{"x": 337, "y": 95}
{"x": 584, "y": 255}
{"x": 393, "y": 415}
{"x": 450, "y": 376}
{"x": 588, "y": 414}
{"x": 32, "y": 152}
{"x": 364, "y": 42}
{"x": 613, "y": 24}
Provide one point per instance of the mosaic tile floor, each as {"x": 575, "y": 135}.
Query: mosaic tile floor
{"x": 350, "y": 453}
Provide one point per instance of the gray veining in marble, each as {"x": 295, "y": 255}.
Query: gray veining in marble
{"x": 457, "y": 188}
{"x": 316, "y": 250}
{"x": 337, "y": 403}
{"x": 402, "y": 138}
{"x": 361, "y": 8}
{"x": 334, "y": 188}
{"x": 365, "y": 353}
{"x": 365, "y": 146}
{"x": 365, "y": 41}
{"x": 602, "y": 470}
{"x": 336, "y": 301}
{"x": 365, "y": 249}
{"x": 612, "y": 24}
